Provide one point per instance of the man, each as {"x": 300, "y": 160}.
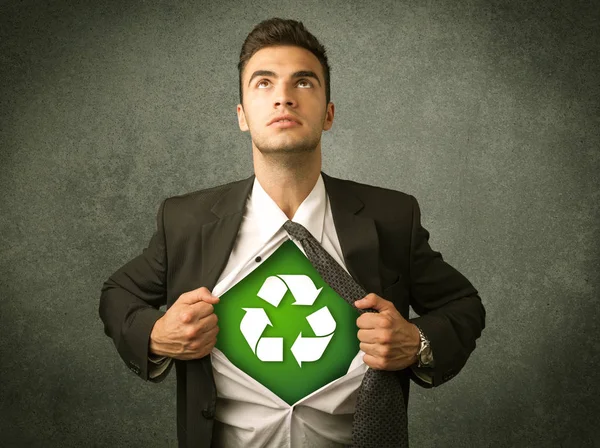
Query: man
{"x": 209, "y": 238}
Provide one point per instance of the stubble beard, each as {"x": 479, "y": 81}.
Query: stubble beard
{"x": 289, "y": 155}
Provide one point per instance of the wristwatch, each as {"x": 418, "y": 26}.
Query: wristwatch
{"x": 424, "y": 356}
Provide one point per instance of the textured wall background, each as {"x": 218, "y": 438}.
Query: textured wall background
{"x": 487, "y": 112}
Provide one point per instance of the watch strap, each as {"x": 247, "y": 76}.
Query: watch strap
{"x": 424, "y": 355}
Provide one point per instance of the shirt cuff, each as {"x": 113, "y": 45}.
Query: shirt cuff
{"x": 156, "y": 359}
{"x": 424, "y": 373}
{"x": 157, "y": 365}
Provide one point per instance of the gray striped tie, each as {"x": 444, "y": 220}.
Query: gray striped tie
{"x": 380, "y": 420}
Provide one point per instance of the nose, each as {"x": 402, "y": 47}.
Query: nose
{"x": 283, "y": 95}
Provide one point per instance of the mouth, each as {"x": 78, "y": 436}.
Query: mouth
{"x": 283, "y": 119}
{"x": 284, "y": 124}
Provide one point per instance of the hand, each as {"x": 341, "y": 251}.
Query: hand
{"x": 389, "y": 341}
{"x": 188, "y": 330}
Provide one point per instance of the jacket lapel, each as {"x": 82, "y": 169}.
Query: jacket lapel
{"x": 218, "y": 236}
{"x": 357, "y": 234}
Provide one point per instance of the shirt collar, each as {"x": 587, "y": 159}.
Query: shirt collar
{"x": 269, "y": 218}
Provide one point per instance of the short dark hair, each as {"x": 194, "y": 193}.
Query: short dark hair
{"x": 274, "y": 32}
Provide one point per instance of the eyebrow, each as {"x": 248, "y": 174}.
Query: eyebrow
{"x": 300, "y": 74}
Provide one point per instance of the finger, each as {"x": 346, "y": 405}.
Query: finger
{"x": 372, "y": 361}
{"x": 201, "y": 310}
{"x": 208, "y": 341}
{"x": 208, "y": 323}
{"x": 369, "y": 321}
{"x": 368, "y": 336}
{"x": 372, "y": 300}
{"x": 369, "y": 349}
{"x": 211, "y": 335}
{"x": 201, "y": 294}
{"x": 195, "y": 312}
{"x": 202, "y": 345}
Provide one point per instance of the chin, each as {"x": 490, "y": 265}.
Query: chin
{"x": 303, "y": 146}
{"x": 287, "y": 150}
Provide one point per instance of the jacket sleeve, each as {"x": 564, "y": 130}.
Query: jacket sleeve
{"x": 130, "y": 300}
{"x": 450, "y": 311}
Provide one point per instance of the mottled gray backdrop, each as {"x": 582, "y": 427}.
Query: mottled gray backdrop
{"x": 487, "y": 112}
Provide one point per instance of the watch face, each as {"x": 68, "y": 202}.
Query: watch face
{"x": 426, "y": 358}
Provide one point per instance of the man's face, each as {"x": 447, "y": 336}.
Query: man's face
{"x": 267, "y": 96}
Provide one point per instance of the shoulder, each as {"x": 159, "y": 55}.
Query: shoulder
{"x": 373, "y": 197}
{"x": 207, "y": 196}
{"x": 201, "y": 205}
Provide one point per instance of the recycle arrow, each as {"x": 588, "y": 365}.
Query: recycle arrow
{"x": 301, "y": 286}
{"x": 311, "y": 349}
{"x": 304, "y": 349}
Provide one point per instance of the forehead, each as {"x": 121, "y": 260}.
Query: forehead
{"x": 283, "y": 60}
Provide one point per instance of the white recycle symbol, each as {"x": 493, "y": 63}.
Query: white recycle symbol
{"x": 256, "y": 320}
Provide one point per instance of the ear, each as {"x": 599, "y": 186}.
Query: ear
{"x": 329, "y": 113}
{"x": 242, "y": 118}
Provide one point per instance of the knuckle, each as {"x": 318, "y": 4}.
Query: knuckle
{"x": 189, "y": 333}
{"x": 185, "y": 317}
{"x": 371, "y": 297}
{"x": 208, "y": 307}
{"x": 386, "y": 323}
{"x": 207, "y": 324}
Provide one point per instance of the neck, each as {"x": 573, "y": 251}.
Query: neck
{"x": 288, "y": 182}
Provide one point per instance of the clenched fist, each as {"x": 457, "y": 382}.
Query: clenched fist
{"x": 188, "y": 330}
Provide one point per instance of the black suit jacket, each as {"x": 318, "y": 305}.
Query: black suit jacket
{"x": 385, "y": 249}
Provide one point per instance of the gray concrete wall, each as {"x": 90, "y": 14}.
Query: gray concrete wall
{"x": 487, "y": 112}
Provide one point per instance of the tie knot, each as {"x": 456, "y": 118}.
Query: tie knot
{"x": 298, "y": 231}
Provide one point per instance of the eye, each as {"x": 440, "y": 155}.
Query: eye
{"x": 301, "y": 80}
{"x": 306, "y": 81}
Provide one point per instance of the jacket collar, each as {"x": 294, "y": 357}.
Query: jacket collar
{"x": 356, "y": 232}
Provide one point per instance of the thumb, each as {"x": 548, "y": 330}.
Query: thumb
{"x": 373, "y": 301}
{"x": 201, "y": 294}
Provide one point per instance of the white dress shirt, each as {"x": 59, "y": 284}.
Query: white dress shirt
{"x": 247, "y": 413}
